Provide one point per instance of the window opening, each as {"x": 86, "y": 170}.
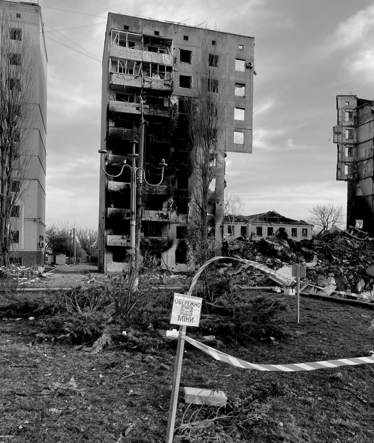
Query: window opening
{"x": 181, "y": 232}
{"x": 15, "y": 34}
{"x": 270, "y": 231}
{"x": 185, "y": 81}
{"x": 348, "y": 116}
{"x": 239, "y": 138}
{"x": 14, "y": 212}
{"x": 213, "y": 60}
{"x": 293, "y": 232}
{"x": 125, "y": 27}
{"x": 185, "y": 37}
{"x": 157, "y": 32}
{"x": 14, "y": 236}
{"x": 214, "y": 42}
{"x": 304, "y": 232}
{"x": 239, "y": 114}
{"x": 239, "y": 65}
{"x": 185, "y": 56}
{"x": 212, "y": 85}
{"x": 181, "y": 253}
{"x": 15, "y": 186}
{"x": 18, "y": 15}
{"x": 239, "y": 90}
{"x": 15, "y": 59}
{"x": 349, "y": 134}
{"x": 243, "y": 231}
{"x": 15, "y": 84}
{"x": 241, "y": 47}
{"x": 259, "y": 231}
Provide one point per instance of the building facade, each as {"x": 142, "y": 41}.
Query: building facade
{"x": 150, "y": 70}
{"x": 25, "y": 36}
{"x": 354, "y": 136}
{"x": 268, "y": 224}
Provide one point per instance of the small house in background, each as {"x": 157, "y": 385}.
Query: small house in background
{"x": 266, "y": 224}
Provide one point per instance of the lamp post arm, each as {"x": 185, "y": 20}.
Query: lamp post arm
{"x": 115, "y": 176}
{"x": 142, "y": 172}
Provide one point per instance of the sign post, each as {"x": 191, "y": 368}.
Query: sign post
{"x": 298, "y": 271}
{"x": 186, "y": 312}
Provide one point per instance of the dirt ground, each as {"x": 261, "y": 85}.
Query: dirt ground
{"x": 55, "y": 392}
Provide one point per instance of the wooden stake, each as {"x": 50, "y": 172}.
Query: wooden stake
{"x": 176, "y": 383}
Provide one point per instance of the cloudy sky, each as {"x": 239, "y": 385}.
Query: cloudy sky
{"x": 306, "y": 53}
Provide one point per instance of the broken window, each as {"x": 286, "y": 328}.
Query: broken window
{"x": 259, "y": 231}
{"x": 212, "y": 85}
{"x": 231, "y": 229}
{"x": 270, "y": 231}
{"x": 185, "y": 81}
{"x": 239, "y": 90}
{"x": 185, "y": 56}
{"x": 239, "y": 65}
{"x": 348, "y": 116}
{"x": 15, "y": 34}
{"x": 185, "y": 37}
{"x": 241, "y": 47}
{"x": 239, "y": 114}
{"x": 214, "y": 42}
{"x": 157, "y": 32}
{"x": 181, "y": 232}
{"x": 126, "y": 97}
{"x": 239, "y": 138}
{"x": 15, "y": 186}
{"x": 15, "y": 59}
{"x": 243, "y": 230}
{"x": 14, "y": 212}
{"x": 213, "y": 60}
{"x": 181, "y": 253}
{"x": 293, "y": 232}
{"x": 18, "y": 15}
{"x": 304, "y": 232}
{"x": 349, "y": 134}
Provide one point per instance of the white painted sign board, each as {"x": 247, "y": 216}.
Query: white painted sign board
{"x": 186, "y": 310}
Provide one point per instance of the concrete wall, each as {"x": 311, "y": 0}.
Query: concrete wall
{"x": 252, "y": 231}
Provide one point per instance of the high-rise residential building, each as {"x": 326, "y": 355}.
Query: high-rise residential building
{"x": 151, "y": 69}
{"x": 354, "y": 135}
{"x": 24, "y": 50}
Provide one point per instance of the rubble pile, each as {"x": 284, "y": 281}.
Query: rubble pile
{"x": 336, "y": 263}
{"x": 21, "y": 274}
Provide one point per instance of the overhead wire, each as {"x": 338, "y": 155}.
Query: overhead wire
{"x": 70, "y": 40}
{"x": 76, "y": 27}
{"x": 79, "y": 52}
{"x": 74, "y": 12}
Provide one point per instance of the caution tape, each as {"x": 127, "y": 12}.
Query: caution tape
{"x": 281, "y": 279}
{"x": 311, "y": 366}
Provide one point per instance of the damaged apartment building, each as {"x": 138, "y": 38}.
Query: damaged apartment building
{"x": 354, "y": 135}
{"x": 151, "y": 69}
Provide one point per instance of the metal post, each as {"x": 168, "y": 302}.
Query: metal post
{"x": 176, "y": 383}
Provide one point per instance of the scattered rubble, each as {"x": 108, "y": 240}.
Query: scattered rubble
{"x": 338, "y": 263}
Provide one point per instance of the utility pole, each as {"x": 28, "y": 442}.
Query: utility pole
{"x": 139, "y": 184}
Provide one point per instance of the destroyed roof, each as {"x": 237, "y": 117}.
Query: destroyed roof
{"x": 274, "y": 217}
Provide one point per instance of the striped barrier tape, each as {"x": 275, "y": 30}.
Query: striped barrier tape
{"x": 311, "y": 366}
{"x": 281, "y": 279}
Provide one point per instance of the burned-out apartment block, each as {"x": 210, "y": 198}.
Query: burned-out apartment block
{"x": 150, "y": 70}
{"x": 354, "y": 135}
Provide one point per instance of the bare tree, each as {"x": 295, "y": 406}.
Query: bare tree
{"x": 59, "y": 238}
{"x": 17, "y": 77}
{"x": 87, "y": 238}
{"x": 324, "y": 216}
{"x": 233, "y": 207}
{"x": 205, "y": 113}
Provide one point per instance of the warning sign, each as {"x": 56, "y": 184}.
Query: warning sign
{"x": 186, "y": 310}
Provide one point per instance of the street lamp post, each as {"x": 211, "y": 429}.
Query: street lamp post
{"x": 137, "y": 173}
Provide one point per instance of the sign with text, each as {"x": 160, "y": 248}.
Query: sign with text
{"x": 186, "y": 310}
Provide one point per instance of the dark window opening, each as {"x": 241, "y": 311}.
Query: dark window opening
{"x": 304, "y": 232}
{"x": 131, "y": 44}
{"x": 213, "y": 60}
{"x": 125, "y": 27}
{"x": 182, "y": 207}
{"x": 18, "y": 15}
{"x": 181, "y": 232}
{"x": 182, "y": 179}
{"x": 15, "y": 59}
{"x": 185, "y": 81}
{"x": 293, "y": 232}
{"x": 214, "y": 42}
{"x": 14, "y": 84}
{"x": 181, "y": 253}
{"x": 185, "y": 37}
{"x": 152, "y": 229}
{"x": 259, "y": 230}
{"x": 157, "y": 32}
{"x": 16, "y": 261}
{"x": 120, "y": 255}
{"x": 154, "y": 202}
{"x": 212, "y": 85}
{"x": 231, "y": 229}
{"x": 185, "y": 56}
{"x": 14, "y": 236}
{"x": 15, "y": 34}
{"x": 243, "y": 231}
{"x": 16, "y": 184}
{"x": 14, "y": 212}
{"x": 270, "y": 231}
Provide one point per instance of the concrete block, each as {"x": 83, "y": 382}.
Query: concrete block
{"x": 199, "y": 396}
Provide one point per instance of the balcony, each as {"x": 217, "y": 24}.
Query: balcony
{"x": 120, "y": 133}
{"x": 120, "y": 214}
{"x": 165, "y": 217}
{"x": 140, "y": 55}
{"x": 118, "y": 240}
{"x": 134, "y": 108}
{"x": 136, "y": 81}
